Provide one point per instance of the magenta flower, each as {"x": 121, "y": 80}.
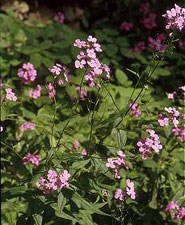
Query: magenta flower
{"x": 59, "y": 17}
{"x": 82, "y": 93}
{"x": 27, "y": 126}
{"x": 126, "y": 26}
{"x": 53, "y": 181}
{"x": 32, "y": 158}
{"x": 175, "y": 18}
{"x": 76, "y": 144}
{"x": 87, "y": 58}
{"x": 51, "y": 90}
{"x": 128, "y": 192}
{"x": 27, "y": 72}
{"x": 117, "y": 163}
{"x": 84, "y": 152}
{"x": 171, "y": 95}
{"x": 10, "y": 95}
{"x": 60, "y": 73}
{"x": 157, "y": 43}
{"x": 119, "y": 194}
{"x": 139, "y": 47}
{"x": 150, "y": 144}
{"x": 149, "y": 21}
{"x": 35, "y": 93}
{"x": 135, "y": 112}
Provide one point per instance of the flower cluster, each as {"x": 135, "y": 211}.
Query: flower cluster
{"x": 10, "y": 95}
{"x": 27, "y": 72}
{"x": 139, "y": 47}
{"x": 51, "y": 90}
{"x": 32, "y": 158}
{"x": 182, "y": 90}
{"x": 27, "y": 126}
{"x": 175, "y": 18}
{"x": 175, "y": 211}
{"x": 128, "y": 192}
{"x": 172, "y": 116}
{"x": 35, "y": 93}
{"x": 117, "y": 163}
{"x": 149, "y": 21}
{"x": 77, "y": 146}
{"x": 87, "y": 58}
{"x": 59, "y": 17}
{"x": 180, "y": 93}
{"x": 179, "y": 132}
{"x": 135, "y": 110}
{"x": 149, "y": 144}
{"x": 157, "y": 43}
{"x": 60, "y": 73}
{"x": 126, "y": 26}
{"x": 53, "y": 181}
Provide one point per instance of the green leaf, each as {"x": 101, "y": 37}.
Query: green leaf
{"x": 111, "y": 50}
{"x": 65, "y": 216}
{"x": 120, "y": 137}
{"x": 121, "y": 76}
{"x": 38, "y": 218}
{"x": 90, "y": 207}
{"x": 61, "y": 201}
{"x": 80, "y": 164}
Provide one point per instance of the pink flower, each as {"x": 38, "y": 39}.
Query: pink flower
{"x": 87, "y": 57}
{"x": 149, "y": 22}
{"x": 60, "y": 73}
{"x": 182, "y": 89}
{"x": 181, "y": 214}
{"x": 27, "y": 72}
{"x": 53, "y": 181}
{"x": 119, "y": 194}
{"x": 84, "y": 152}
{"x": 163, "y": 121}
{"x": 175, "y": 18}
{"x": 27, "y": 126}
{"x": 171, "y": 206}
{"x": 76, "y": 144}
{"x": 35, "y": 93}
{"x": 117, "y": 163}
{"x": 59, "y": 17}
{"x": 150, "y": 144}
{"x": 51, "y": 90}
{"x": 32, "y": 158}
{"x": 157, "y": 43}
{"x": 1, "y": 129}
{"x": 82, "y": 92}
{"x": 135, "y": 110}
{"x": 10, "y": 95}
{"x": 126, "y": 26}
{"x": 139, "y": 47}
{"x": 171, "y": 95}
{"x": 130, "y": 190}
